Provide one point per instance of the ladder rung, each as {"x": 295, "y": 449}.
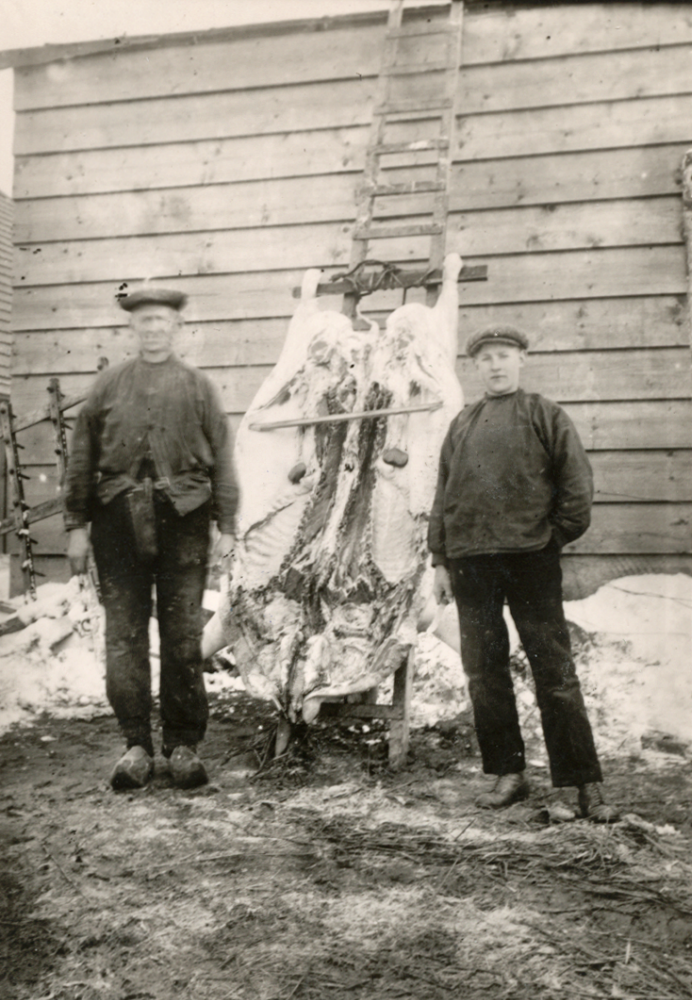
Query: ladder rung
{"x": 423, "y": 29}
{"x": 404, "y": 69}
{"x": 385, "y": 232}
{"x": 411, "y": 147}
{"x": 402, "y": 107}
{"x": 413, "y": 187}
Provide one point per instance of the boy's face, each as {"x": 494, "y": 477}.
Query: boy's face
{"x": 499, "y": 366}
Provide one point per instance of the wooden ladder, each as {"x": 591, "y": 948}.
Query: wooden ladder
{"x": 376, "y": 198}
{"x": 377, "y": 195}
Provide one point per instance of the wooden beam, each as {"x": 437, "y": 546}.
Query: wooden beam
{"x": 372, "y": 282}
{"x": 339, "y": 418}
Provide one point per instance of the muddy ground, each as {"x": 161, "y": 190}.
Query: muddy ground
{"x": 326, "y": 876}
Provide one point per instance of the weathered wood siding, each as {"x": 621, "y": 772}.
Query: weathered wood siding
{"x": 6, "y": 255}
{"x": 228, "y": 163}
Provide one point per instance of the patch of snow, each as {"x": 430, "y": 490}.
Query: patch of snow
{"x": 633, "y": 648}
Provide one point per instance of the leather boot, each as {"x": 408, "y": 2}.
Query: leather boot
{"x": 508, "y": 788}
{"x": 593, "y": 806}
{"x": 187, "y": 770}
{"x": 133, "y": 770}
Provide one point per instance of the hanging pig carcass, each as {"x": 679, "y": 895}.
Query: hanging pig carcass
{"x": 324, "y": 593}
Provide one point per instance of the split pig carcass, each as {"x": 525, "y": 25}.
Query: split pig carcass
{"x": 325, "y": 592}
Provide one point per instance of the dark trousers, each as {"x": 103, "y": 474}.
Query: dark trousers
{"x": 531, "y": 582}
{"x": 179, "y": 573}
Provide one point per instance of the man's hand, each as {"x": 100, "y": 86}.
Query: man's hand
{"x": 78, "y": 550}
{"x": 442, "y": 586}
{"x": 224, "y": 549}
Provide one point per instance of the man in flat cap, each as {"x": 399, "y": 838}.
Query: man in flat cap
{"x": 150, "y": 468}
{"x": 514, "y": 486}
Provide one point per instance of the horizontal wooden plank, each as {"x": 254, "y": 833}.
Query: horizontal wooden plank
{"x": 594, "y": 378}
{"x": 639, "y": 171}
{"x": 244, "y": 342}
{"x": 560, "y": 326}
{"x": 642, "y": 321}
{"x": 635, "y": 374}
{"x": 637, "y": 528}
{"x": 615, "y": 529}
{"x": 599, "y": 375}
{"x": 347, "y": 51}
{"x": 583, "y": 575}
{"x": 515, "y": 278}
{"x": 263, "y": 248}
{"x": 604, "y": 125}
{"x": 275, "y": 202}
{"x": 576, "y": 78}
{"x": 541, "y": 276}
{"x": 137, "y": 168}
{"x": 623, "y": 222}
{"x": 261, "y": 61}
{"x": 538, "y": 278}
{"x": 633, "y": 425}
{"x": 554, "y": 326}
{"x": 208, "y": 116}
{"x": 211, "y": 298}
{"x": 619, "y": 476}
{"x": 493, "y": 34}
{"x": 653, "y": 425}
{"x": 633, "y": 172}
{"x": 642, "y": 476}
{"x": 579, "y": 274}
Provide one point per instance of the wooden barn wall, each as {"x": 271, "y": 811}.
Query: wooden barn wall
{"x": 229, "y": 165}
{"x": 6, "y": 255}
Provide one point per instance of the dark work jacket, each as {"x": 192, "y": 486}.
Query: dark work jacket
{"x": 166, "y": 413}
{"x": 513, "y": 474}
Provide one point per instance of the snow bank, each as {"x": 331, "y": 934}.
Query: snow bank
{"x": 634, "y": 656}
{"x": 55, "y": 663}
{"x": 633, "y": 645}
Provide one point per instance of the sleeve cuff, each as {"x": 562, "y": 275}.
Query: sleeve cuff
{"x": 73, "y": 523}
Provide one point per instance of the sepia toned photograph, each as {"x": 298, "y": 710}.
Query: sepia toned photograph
{"x": 345, "y": 500}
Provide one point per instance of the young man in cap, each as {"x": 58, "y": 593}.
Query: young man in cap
{"x": 150, "y": 467}
{"x": 514, "y": 486}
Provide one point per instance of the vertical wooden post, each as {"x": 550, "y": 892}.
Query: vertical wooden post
{"x": 399, "y": 727}
{"x": 687, "y": 228}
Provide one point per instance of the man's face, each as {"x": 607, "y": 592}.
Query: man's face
{"x": 155, "y": 326}
{"x": 499, "y": 366}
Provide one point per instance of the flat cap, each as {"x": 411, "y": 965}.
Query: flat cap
{"x": 151, "y": 295}
{"x": 496, "y": 335}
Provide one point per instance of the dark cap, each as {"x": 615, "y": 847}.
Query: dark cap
{"x": 151, "y": 295}
{"x": 496, "y": 335}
